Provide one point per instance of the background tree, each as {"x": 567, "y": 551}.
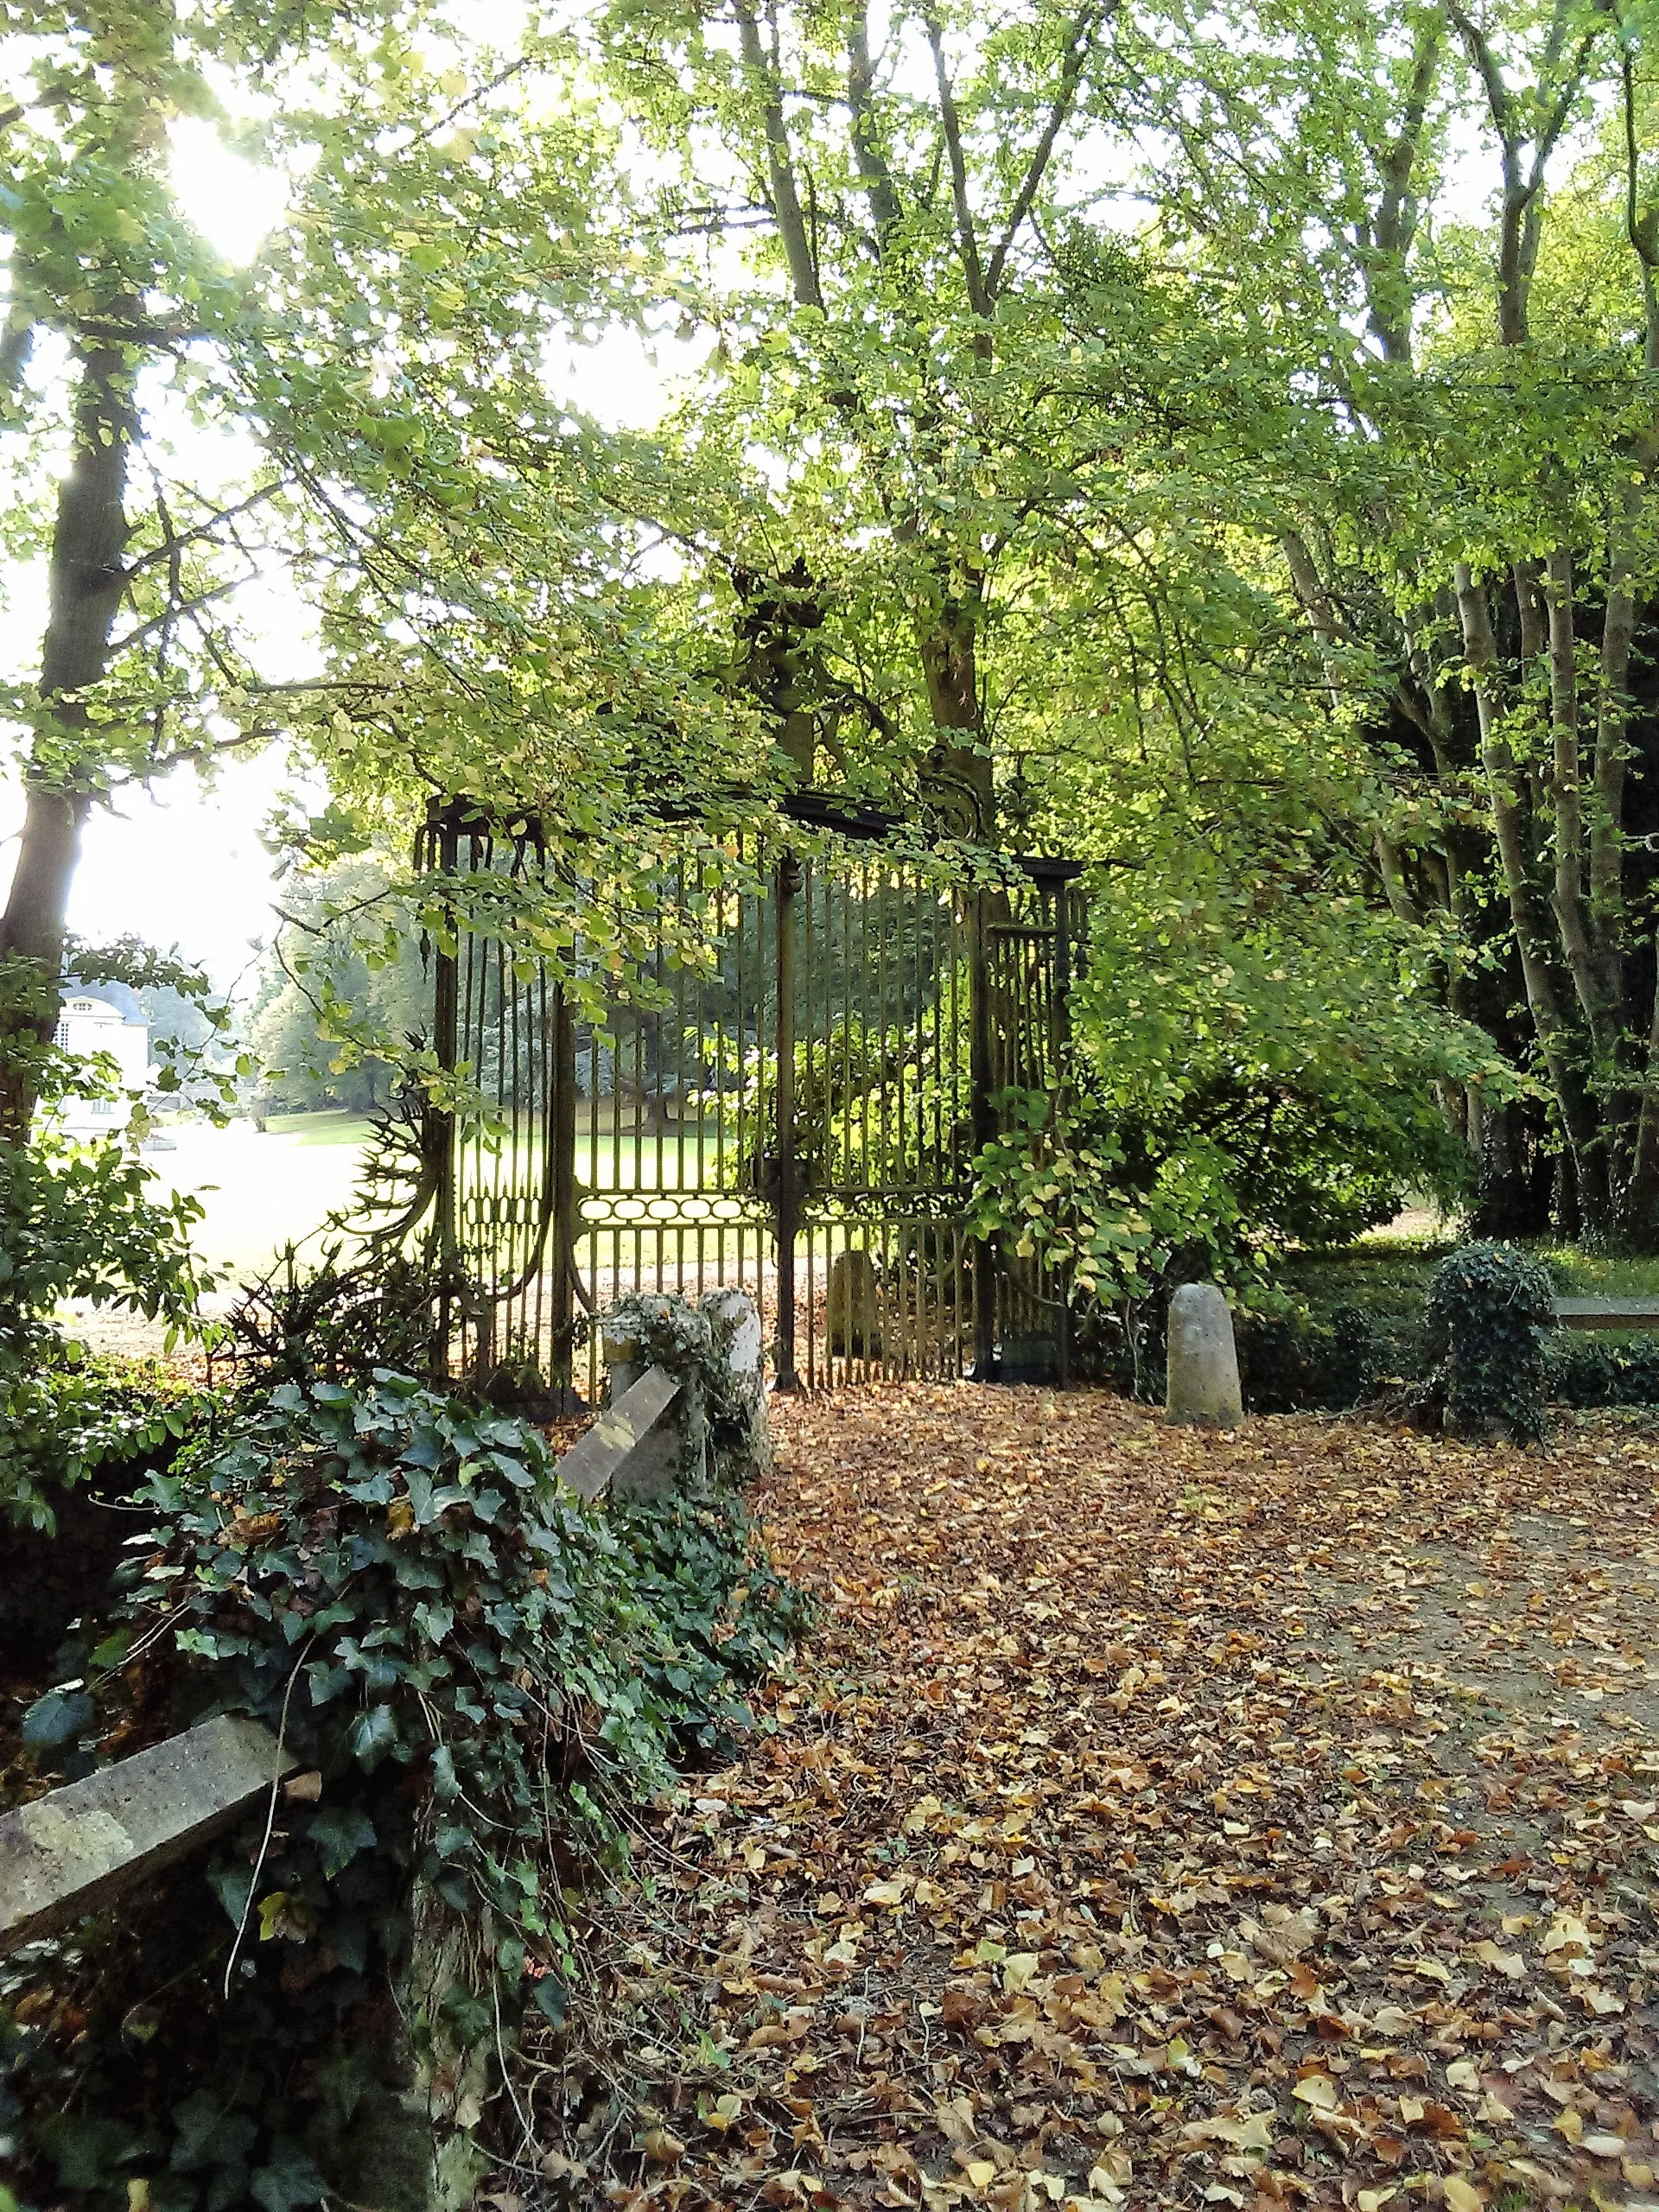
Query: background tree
{"x": 899, "y": 186}
{"x": 346, "y": 972}
{"x": 1465, "y": 501}
{"x": 380, "y": 373}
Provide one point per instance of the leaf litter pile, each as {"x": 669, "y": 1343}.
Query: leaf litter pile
{"x": 1155, "y": 1818}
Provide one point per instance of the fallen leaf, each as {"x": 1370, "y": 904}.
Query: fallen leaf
{"x": 1318, "y": 2091}
{"x": 1504, "y": 1962}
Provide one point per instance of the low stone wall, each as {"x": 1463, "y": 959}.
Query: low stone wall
{"x": 702, "y": 1418}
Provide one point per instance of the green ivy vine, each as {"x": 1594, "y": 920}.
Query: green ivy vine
{"x": 478, "y": 1676}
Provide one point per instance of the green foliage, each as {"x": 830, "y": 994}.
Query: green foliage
{"x": 1251, "y": 1069}
{"x": 76, "y": 1221}
{"x": 336, "y": 1321}
{"x": 672, "y": 1334}
{"x": 346, "y": 972}
{"x": 1217, "y": 1181}
{"x": 1291, "y": 1361}
{"x": 485, "y": 1674}
{"x": 1603, "y": 1370}
{"x": 384, "y": 1531}
{"x": 191, "y": 1026}
{"x": 1489, "y": 1312}
{"x": 1344, "y": 1325}
{"x": 108, "y": 1416}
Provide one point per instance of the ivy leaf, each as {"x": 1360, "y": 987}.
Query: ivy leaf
{"x": 88, "y": 2152}
{"x": 288, "y": 2179}
{"x": 374, "y": 1733}
{"x": 56, "y": 1718}
{"x": 434, "y": 1622}
{"x": 207, "y": 2134}
{"x": 551, "y": 1998}
{"x": 340, "y": 1833}
{"x": 231, "y": 1885}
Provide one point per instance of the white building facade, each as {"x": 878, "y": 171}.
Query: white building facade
{"x": 91, "y": 1029}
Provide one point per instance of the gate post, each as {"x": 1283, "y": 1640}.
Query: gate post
{"x": 784, "y": 1377}
{"x": 983, "y": 1121}
{"x": 1062, "y": 1064}
{"x": 561, "y": 1123}
{"x": 439, "y": 1122}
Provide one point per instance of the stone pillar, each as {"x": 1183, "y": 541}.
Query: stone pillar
{"x": 853, "y": 1309}
{"x": 736, "y": 1329}
{"x": 1203, "y": 1360}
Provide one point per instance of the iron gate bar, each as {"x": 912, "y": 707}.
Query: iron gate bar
{"x": 788, "y": 1221}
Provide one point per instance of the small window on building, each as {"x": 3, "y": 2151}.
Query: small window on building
{"x": 61, "y": 1036}
{"x": 103, "y": 1109}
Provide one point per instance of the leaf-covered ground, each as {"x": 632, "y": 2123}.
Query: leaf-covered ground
{"x": 1157, "y": 1819}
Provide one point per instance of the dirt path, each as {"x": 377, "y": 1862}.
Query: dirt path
{"x": 1157, "y": 1820}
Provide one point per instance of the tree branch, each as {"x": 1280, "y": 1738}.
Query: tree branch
{"x": 1078, "y": 47}
{"x": 1395, "y": 222}
{"x": 873, "y": 169}
{"x": 978, "y": 299}
{"x": 175, "y": 542}
{"x": 780, "y": 170}
{"x": 172, "y": 614}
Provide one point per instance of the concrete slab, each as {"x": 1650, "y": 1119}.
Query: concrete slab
{"x": 593, "y": 1460}
{"x": 1610, "y": 1313}
{"x": 70, "y": 1850}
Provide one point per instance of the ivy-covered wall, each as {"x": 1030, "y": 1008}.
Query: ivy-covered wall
{"x": 479, "y": 1677}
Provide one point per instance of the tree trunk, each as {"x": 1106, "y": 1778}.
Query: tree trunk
{"x": 1517, "y": 1175}
{"x": 959, "y": 774}
{"x": 87, "y": 582}
{"x": 1502, "y": 782}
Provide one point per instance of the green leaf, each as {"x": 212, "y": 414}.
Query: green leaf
{"x": 551, "y": 1998}
{"x": 288, "y": 2179}
{"x": 57, "y": 1719}
{"x": 339, "y": 1834}
{"x": 374, "y": 1733}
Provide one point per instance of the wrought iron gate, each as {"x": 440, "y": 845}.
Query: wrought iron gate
{"x": 795, "y": 1113}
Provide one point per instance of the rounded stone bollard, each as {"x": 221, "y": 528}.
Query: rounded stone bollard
{"x": 1203, "y": 1360}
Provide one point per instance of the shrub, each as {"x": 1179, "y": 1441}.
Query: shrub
{"x": 479, "y": 1676}
{"x": 334, "y": 1323}
{"x": 83, "y": 1433}
{"x": 1333, "y": 1359}
{"x": 75, "y": 1222}
{"x": 1489, "y": 1313}
{"x": 1604, "y": 1370}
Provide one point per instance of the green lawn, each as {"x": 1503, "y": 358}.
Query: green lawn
{"x": 1392, "y": 1270}
{"x": 1587, "y": 1274}
{"x": 260, "y": 1189}
{"x": 257, "y": 1190}
{"x": 321, "y": 1129}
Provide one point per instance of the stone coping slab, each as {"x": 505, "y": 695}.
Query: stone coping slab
{"x": 67, "y": 1851}
{"x": 591, "y": 1461}
{"x": 1613, "y": 1312}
